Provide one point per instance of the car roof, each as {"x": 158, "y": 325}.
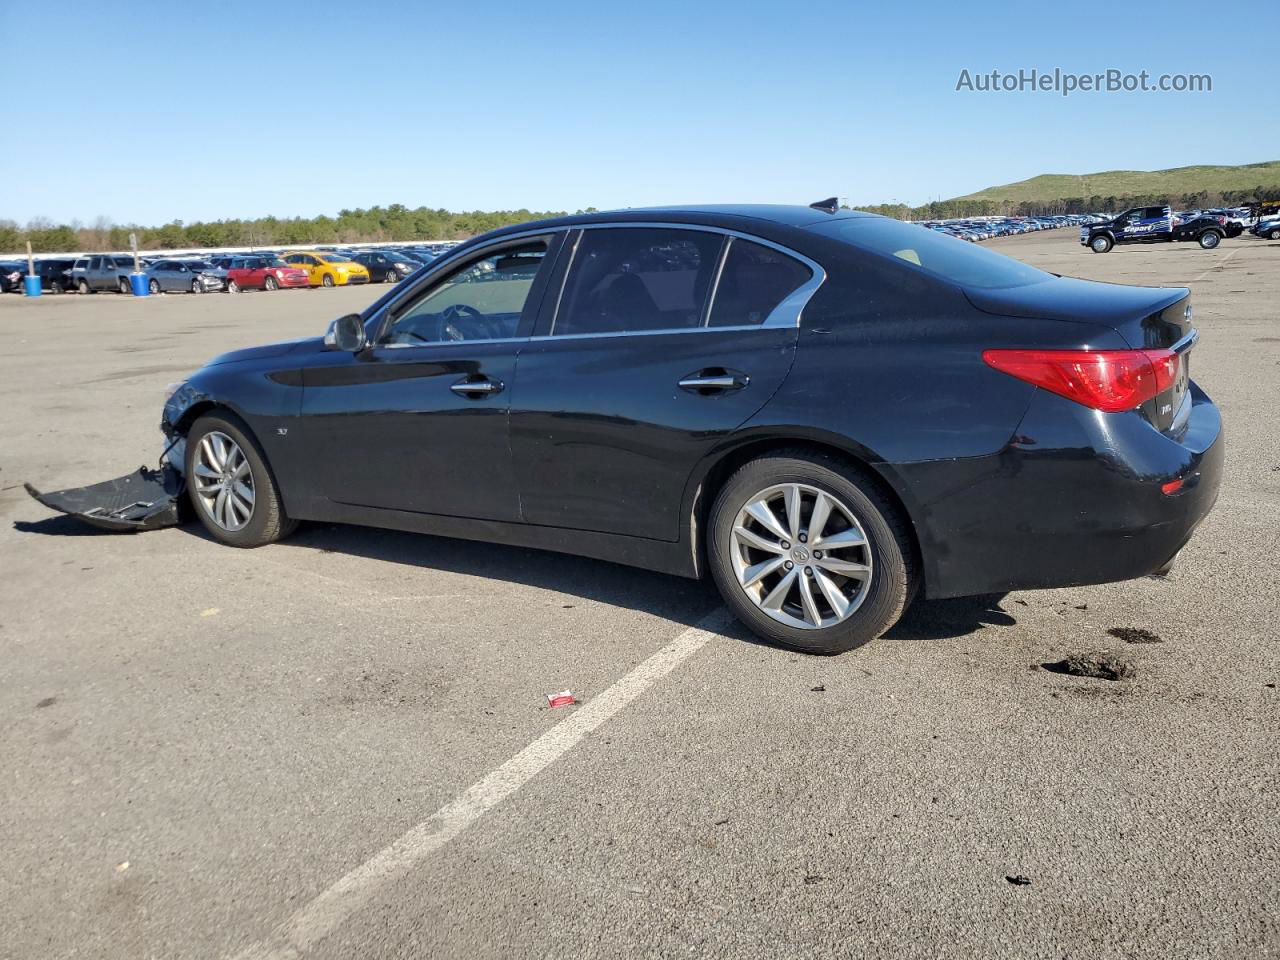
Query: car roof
{"x": 707, "y": 214}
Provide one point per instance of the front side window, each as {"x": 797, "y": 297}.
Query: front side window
{"x": 635, "y": 279}
{"x": 755, "y": 279}
{"x": 483, "y": 300}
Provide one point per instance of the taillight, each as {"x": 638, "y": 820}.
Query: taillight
{"x": 1112, "y": 381}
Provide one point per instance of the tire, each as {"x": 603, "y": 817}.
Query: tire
{"x": 82, "y": 287}
{"x": 154, "y": 286}
{"x": 328, "y": 280}
{"x": 1209, "y": 240}
{"x": 55, "y": 287}
{"x": 195, "y": 287}
{"x": 875, "y": 603}
{"x": 124, "y": 287}
{"x": 391, "y": 276}
{"x": 267, "y": 521}
{"x": 1274, "y": 234}
{"x": 1101, "y": 244}
{"x": 269, "y": 283}
{"x": 232, "y": 286}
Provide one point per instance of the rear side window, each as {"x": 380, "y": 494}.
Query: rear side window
{"x": 753, "y": 281}
{"x": 962, "y": 263}
{"x": 635, "y": 279}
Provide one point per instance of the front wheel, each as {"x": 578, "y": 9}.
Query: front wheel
{"x": 83, "y": 287}
{"x": 269, "y": 283}
{"x": 1274, "y": 234}
{"x": 1101, "y": 244}
{"x": 809, "y": 553}
{"x": 328, "y": 280}
{"x": 232, "y": 286}
{"x": 154, "y": 286}
{"x": 231, "y": 486}
{"x": 55, "y": 287}
{"x": 392, "y": 276}
{"x": 1209, "y": 239}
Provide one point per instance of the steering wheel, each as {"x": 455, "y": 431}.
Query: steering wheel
{"x": 453, "y": 312}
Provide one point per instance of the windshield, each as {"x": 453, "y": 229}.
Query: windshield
{"x": 335, "y": 258}
{"x": 935, "y": 253}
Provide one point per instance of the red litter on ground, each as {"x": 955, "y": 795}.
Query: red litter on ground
{"x": 562, "y": 699}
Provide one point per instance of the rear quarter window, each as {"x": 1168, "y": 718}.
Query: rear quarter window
{"x": 927, "y": 251}
{"x": 754, "y": 280}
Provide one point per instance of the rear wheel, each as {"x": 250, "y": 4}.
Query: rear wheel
{"x": 55, "y": 287}
{"x": 231, "y": 486}
{"x": 124, "y": 286}
{"x": 1101, "y": 243}
{"x": 807, "y": 552}
{"x": 1210, "y": 239}
{"x": 269, "y": 283}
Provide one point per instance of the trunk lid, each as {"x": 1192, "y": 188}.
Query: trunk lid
{"x": 1148, "y": 318}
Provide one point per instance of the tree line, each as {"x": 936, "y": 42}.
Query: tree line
{"x": 395, "y": 222}
{"x": 964, "y": 208}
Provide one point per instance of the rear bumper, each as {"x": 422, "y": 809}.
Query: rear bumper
{"x": 1074, "y": 499}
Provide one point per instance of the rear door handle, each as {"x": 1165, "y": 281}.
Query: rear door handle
{"x": 714, "y": 380}
{"x": 477, "y": 388}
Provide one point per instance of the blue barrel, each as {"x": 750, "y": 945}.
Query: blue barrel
{"x": 31, "y": 286}
{"x": 139, "y": 283}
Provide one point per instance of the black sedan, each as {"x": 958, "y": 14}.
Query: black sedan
{"x": 829, "y": 413}
{"x": 386, "y": 266}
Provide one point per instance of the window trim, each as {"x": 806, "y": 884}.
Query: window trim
{"x": 788, "y": 314}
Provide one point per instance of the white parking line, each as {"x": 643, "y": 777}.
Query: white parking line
{"x": 331, "y": 908}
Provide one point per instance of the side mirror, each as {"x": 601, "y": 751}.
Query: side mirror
{"x": 347, "y": 333}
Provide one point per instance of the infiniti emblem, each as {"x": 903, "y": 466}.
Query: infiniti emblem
{"x": 799, "y": 554}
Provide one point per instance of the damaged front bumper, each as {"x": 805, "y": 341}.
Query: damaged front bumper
{"x": 143, "y": 500}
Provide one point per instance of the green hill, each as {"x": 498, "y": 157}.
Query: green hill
{"x": 1123, "y": 183}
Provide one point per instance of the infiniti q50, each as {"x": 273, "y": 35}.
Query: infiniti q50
{"x": 828, "y": 413}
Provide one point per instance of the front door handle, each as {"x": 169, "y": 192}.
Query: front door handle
{"x": 477, "y": 388}
{"x": 714, "y": 380}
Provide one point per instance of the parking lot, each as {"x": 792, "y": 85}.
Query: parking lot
{"x": 340, "y": 746}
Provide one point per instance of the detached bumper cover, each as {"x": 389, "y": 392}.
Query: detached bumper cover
{"x": 143, "y": 500}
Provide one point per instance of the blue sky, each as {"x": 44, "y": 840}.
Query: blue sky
{"x": 244, "y": 109}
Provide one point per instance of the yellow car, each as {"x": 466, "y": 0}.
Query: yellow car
{"x": 328, "y": 269}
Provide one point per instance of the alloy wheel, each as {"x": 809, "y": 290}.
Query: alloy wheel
{"x": 223, "y": 481}
{"x": 801, "y": 556}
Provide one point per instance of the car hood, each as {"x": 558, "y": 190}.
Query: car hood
{"x": 265, "y": 351}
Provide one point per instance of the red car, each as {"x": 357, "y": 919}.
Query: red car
{"x": 262, "y": 273}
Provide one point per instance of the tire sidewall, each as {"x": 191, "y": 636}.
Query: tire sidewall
{"x": 890, "y": 587}
{"x": 1100, "y": 244}
{"x": 253, "y": 533}
{"x": 1209, "y": 244}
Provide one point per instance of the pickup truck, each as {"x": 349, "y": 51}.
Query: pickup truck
{"x": 1151, "y": 225}
{"x": 103, "y": 271}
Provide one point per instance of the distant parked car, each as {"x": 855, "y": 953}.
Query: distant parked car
{"x": 1267, "y": 229}
{"x": 328, "y": 269}
{"x": 263, "y": 273}
{"x": 55, "y": 275}
{"x": 387, "y": 266}
{"x": 175, "y": 276}
{"x": 11, "y": 274}
{"x": 103, "y": 271}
